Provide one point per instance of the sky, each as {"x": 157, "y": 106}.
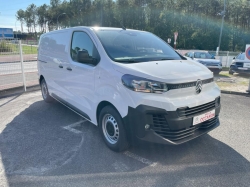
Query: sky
{"x": 8, "y": 9}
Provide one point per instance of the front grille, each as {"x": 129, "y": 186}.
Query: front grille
{"x": 160, "y": 122}
{"x": 187, "y": 112}
{"x": 161, "y": 128}
{"x": 188, "y": 84}
{"x": 239, "y": 64}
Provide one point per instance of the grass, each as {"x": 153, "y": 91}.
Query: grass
{"x": 14, "y": 48}
{"x": 29, "y": 49}
{"x": 241, "y": 84}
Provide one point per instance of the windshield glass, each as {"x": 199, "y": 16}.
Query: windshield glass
{"x": 202, "y": 55}
{"x": 135, "y": 46}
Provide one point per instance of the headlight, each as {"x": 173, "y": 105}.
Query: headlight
{"x": 139, "y": 84}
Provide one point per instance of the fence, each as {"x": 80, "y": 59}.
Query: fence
{"x": 18, "y": 64}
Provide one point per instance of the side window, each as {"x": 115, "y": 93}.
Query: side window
{"x": 238, "y": 57}
{"x": 83, "y": 49}
{"x": 242, "y": 57}
{"x": 191, "y": 55}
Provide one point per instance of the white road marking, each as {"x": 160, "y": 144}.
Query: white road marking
{"x": 71, "y": 127}
{"x": 120, "y": 167}
{"x": 140, "y": 159}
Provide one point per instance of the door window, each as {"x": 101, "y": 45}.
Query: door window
{"x": 82, "y": 42}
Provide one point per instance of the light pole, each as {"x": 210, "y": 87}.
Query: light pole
{"x": 16, "y": 29}
{"x": 58, "y": 17}
{"x": 223, "y": 13}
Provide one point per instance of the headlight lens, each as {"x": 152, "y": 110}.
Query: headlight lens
{"x": 139, "y": 84}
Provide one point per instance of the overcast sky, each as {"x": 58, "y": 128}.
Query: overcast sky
{"x": 8, "y": 9}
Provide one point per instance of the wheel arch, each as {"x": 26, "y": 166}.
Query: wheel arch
{"x": 100, "y": 106}
{"x": 41, "y": 78}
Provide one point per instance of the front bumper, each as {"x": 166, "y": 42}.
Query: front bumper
{"x": 170, "y": 127}
{"x": 215, "y": 69}
{"x": 235, "y": 69}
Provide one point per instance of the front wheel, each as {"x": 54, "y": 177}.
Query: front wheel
{"x": 112, "y": 129}
{"x": 231, "y": 72}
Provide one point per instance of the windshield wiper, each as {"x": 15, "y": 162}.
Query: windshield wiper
{"x": 130, "y": 60}
{"x": 163, "y": 59}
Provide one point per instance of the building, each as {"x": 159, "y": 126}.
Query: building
{"x": 6, "y": 33}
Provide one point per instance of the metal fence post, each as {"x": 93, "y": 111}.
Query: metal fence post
{"x": 249, "y": 87}
{"x": 22, "y": 67}
{"x": 227, "y": 58}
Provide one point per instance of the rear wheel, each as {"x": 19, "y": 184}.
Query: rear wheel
{"x": 112, "y": 129}
{"x": 45, "y": 93}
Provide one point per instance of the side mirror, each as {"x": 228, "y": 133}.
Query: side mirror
{"x": 213, "y": 57}
{"x": 83, "y": 57}
{"x": 234, "y": 58}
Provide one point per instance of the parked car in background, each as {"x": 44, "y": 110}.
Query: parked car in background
{"x": 206, "y": 59}
{"x": 239, "y": 65}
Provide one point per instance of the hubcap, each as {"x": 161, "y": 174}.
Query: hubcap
{"x": 44, "y": 90}
{"x": 110, "y": 128}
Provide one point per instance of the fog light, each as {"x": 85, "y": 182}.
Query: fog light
{"x": 147, "y": 126}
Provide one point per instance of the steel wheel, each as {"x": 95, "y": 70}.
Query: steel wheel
{"x": 110, "y": 129}
{"x": 44, "y": 90}
{"x": 45, "y": 93}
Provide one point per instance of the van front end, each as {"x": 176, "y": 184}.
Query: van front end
{"x": 176, "y": 116}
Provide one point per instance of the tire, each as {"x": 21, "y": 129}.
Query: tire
{"x": 45, "y": 92}
{"x": 112, "y": 129}
{"x": 230, "y": 72}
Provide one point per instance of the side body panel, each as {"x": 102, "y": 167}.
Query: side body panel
{"x": 53, "y": 51}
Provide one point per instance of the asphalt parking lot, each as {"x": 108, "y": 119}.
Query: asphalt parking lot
{"x": 48, "y": 145}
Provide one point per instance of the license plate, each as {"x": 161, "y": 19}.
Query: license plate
{"x": 246, "y": 65}
{"x": 243, "y": 68}
{"x": 203, "y": 117}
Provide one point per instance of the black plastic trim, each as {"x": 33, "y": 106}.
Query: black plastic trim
{"x": 78, "y": 111}
{"x": 166, "y": 127}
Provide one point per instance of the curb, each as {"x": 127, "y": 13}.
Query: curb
{"x": 18, "y": 91}
{"x": 18, "y": 61}
{"x": 235, "y": 93}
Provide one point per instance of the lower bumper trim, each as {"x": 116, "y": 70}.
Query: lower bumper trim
{"x": 152, "y": 136}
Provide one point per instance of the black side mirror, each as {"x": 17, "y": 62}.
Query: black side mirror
{"x": 83, "y": 57}
{"x": 233, "y": 57}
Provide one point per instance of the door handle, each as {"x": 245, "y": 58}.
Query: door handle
{"x": 60, "y": 66}
{"x": 69, "y": 68}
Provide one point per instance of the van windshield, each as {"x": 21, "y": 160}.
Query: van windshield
{"x": 128, "y": 46}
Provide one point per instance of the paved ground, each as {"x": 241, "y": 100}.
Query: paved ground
{"x": 15, "y": 57}
{"x": 11, "y": 75}
{"x": 48, "y": 145}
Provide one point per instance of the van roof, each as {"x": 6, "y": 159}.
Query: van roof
{"x": 92, "y": 28}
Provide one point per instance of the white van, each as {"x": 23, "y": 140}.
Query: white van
{"x": 129, "y": 83}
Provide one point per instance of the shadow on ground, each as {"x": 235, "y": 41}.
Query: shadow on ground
{"x": 34, "y": 144}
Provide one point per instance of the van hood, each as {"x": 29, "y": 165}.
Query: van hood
{"x": 171, "y": 71}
